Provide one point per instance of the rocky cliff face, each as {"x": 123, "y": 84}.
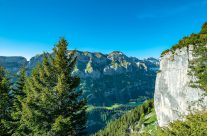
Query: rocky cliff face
{"x": 174, "y": 97}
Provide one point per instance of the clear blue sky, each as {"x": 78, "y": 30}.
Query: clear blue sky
{"x": 140, "y": 28}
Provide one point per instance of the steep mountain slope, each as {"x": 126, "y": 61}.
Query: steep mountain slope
{"x": 181, "y": 81}
{"x": 174, "y": 97}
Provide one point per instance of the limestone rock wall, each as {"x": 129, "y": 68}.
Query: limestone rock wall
{"x": 174, "y": 98}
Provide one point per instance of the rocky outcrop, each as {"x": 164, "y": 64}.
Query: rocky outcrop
{"x": 174, "y": 97}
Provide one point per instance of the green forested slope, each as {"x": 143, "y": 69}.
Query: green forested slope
{"x": 140, "y": 119}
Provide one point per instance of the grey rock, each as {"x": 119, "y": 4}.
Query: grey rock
{"x": 174, "y": 98}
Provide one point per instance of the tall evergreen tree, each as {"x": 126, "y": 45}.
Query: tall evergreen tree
{"x": 70, "y": 105}
{"x": 53, "y": 106}
{"x": 18, "y": 95}
{"x": 5, "y": 102}
{"x": 39, "y": 105}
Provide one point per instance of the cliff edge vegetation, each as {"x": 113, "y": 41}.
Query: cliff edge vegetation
{"x": 194, "y": 125}
{"x": 193, "y": 39}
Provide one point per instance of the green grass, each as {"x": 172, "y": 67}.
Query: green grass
{"x": 115, "y": 106}
{"x": 150, "y": 118}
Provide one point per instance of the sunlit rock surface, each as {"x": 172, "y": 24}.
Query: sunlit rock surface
{"x": 174, "y": 98}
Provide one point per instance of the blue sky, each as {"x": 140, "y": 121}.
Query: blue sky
{"x": 140, "y": 28}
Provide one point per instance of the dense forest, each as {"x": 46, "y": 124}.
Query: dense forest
{"x": 141, "y": 121}
{"x": 136, "y": 121}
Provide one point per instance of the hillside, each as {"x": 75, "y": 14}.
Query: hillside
{"x": 139, "y": 120}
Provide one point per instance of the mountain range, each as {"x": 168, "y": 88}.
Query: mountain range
{"x": 105, "y": 78}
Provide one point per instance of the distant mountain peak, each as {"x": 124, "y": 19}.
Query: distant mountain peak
{"x": 116, "y": 53}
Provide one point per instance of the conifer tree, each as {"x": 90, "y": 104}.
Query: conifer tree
{"x": 53, "y": 106}
{"x": 18, "y": 95}
{"x": 70, "y": 105}
{"x": 5, "y": 102}
{"x": 18, "y": 91}
{"x": 39, "y": 104}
